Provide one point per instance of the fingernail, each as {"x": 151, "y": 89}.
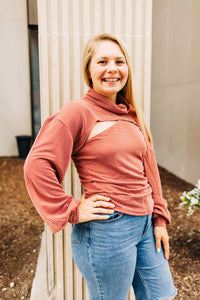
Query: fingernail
{"x": 107, "y": 198}
{"x": 113, "y": 205}
{"x": 158, "y": 250}
{"x": 167, "y": 257}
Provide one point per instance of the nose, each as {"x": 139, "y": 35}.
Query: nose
{"x": 111, "y": 67}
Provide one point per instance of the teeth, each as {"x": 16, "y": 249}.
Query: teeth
{"x": 111, "y": 80}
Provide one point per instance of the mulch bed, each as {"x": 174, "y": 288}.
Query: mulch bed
{"x": 21, "y": 229}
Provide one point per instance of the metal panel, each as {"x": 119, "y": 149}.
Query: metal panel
{"x": 78, "y": 282}
{"x": 54, "y": 58}
{"x": 68, "y": 264}
{"x": 50, "y": 260}
{"x": 59, "y": 264}
{"x": 44, "y": 60}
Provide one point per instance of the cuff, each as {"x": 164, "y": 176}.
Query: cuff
{"x": 74, "y": 213}
{"x": 159, "y": 221}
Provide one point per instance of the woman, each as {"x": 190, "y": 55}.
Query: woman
{"x": 119, "y": 237}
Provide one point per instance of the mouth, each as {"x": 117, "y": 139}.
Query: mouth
{"x": 111, "y": 79}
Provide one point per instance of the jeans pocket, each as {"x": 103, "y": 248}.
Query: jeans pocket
{"x": 76, "y": 235}
{"x": 110, "y": 220}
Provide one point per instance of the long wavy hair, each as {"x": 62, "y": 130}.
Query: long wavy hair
{"x": 128, "y": 91}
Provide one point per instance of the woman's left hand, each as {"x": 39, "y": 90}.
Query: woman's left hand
{"x": 161, "y": 236}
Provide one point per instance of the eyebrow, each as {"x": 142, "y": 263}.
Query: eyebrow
{"x": 106, "y": 57}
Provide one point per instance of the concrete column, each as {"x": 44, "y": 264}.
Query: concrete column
{"x": 64, "y": 27}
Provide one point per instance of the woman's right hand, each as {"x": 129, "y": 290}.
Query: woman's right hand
{"x": 90, "y": 208}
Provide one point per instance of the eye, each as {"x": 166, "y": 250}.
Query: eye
{"x": 102, "y": 62}
{"x": 120, "y": 62}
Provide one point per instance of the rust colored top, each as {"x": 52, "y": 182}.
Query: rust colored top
{"x": 116, "y": 162}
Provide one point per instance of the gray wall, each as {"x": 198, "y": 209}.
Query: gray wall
{"x": 175, "y": 98}
{"x": 15, "y": 104}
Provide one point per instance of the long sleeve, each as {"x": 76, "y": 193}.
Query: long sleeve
{"x": 161, "y": 215}
{"x": 44, "y": 171}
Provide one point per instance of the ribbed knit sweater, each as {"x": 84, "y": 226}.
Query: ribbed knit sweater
{"x": 116, "y": 162}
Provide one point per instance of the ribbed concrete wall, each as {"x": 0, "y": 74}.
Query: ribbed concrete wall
{"x": 64, "y": 27}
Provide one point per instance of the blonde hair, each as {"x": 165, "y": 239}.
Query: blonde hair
{"x": 128, "y": 91}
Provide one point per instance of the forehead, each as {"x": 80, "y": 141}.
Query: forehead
{"x": 107, "y": 49}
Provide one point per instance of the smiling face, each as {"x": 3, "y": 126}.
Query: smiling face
{"x": 108, "y": 69}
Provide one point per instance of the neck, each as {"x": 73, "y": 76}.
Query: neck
{"x": 113, "y": 99}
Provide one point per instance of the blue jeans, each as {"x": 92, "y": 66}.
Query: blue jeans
{"x": 114, "y": 254}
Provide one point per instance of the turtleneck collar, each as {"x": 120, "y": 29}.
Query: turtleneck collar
{"x": 123, "y": 108}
